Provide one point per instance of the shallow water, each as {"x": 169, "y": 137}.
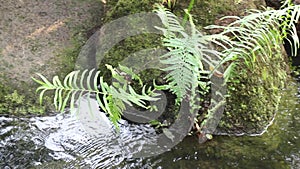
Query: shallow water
{"x": 278, "y": 147}
{"x": 64, "y": 141}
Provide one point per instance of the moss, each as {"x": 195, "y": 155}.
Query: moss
{"x": 127, "y": 7}
{"x": 205, "y": 12}
{"x": 131, "y": 44}
{"x": 254, "y": 95}
{"x": 13, "y": 102}
{"x": 120, "y": 52}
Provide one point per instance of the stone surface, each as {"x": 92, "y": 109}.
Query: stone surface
{"x": 34, "y": 34}
{"x": 254, "y": 98}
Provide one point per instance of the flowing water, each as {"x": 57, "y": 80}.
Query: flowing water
{"x": 62, "y": 141}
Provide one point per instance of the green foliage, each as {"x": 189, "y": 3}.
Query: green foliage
{"x": 15, "y": 103}
{"x": 256, "y": 36}
{"x": 111, "y": 98}
{"x": 186, "y": 16}
{"x": 258, "y": 68}
{"x": 187, "y": 51}
{"x": 205, "y": 12}
{"x": 125, "y": 7}
{"x": 190, "y": 62}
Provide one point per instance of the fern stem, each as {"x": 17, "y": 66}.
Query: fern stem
{"x": 186, "y": 16}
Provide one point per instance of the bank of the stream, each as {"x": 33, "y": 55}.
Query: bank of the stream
{"x": 61, "y": 141}
{"x": 253, "y": 93}
{"x": 253, "y": 101}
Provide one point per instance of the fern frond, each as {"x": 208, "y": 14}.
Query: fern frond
{"x": 111, "y": 98}
{"x": 188, "y": 52}
{"x": 255, "y": 36}
{"x": 170, "y": 21}
{"x": 67, "y": 90}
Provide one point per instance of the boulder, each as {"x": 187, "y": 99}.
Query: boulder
{"x": 39, "y": 37}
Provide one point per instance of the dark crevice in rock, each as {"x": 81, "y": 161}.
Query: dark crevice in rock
{"x": 276, "y": 4}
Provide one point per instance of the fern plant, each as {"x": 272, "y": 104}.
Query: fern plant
{"x": 111, "y": 98}
{"x": 190, "y": 62}
{"x": 189, "y": 51}
{"x": 252, "y": 39}
{"x": 256, "y": 36}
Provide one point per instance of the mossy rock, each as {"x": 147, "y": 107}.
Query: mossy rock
{"x": 249, "y": 114}
{"x": 208, "y": 11}
{"x": 130, "y": 45}
{"x": 121, "y": 8}
{"x": 16, "y": 102}
{"x": 254, "y": 96}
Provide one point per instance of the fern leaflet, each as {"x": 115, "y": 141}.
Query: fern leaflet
{"x": 111, "y": 98}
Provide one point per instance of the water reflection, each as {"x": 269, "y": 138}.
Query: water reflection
{"x": 279, "y": 147}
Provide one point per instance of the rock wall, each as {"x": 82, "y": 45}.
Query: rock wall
{"x": 43, "y": 37}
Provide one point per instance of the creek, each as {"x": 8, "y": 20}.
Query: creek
{"x": 61, "y": 141}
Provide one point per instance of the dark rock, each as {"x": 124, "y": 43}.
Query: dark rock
{"x": 42, "y": 13}
{"x": 274, "y": 3}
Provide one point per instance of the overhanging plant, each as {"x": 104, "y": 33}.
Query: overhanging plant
{"x": 187, "y": 50}
{"x": 188, "y": 61}
{"x": 111, "y": 98}
{"x": 255, "y": 37}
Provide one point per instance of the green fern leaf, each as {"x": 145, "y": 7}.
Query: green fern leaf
{"x": 186, "y": 50}
{"x": 113, "y": 100}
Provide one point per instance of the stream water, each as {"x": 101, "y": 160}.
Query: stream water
{"x": 61, "y": 141}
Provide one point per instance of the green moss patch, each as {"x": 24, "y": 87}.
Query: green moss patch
{"x": 16, "y": 102}
{"x": 254, "y": 95}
